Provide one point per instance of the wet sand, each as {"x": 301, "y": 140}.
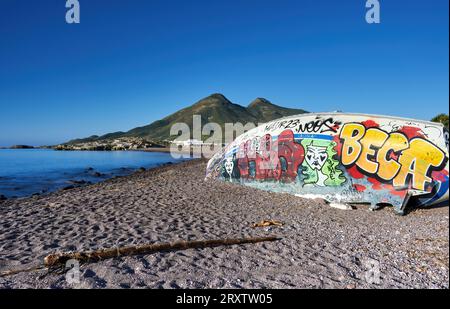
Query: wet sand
{"x": 321, "y": 247}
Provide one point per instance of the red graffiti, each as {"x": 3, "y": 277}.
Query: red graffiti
{"x": 394, "y": 191}
{"x": 338, "y": 147}
{"x": 359, "y": 188}
{"x": 370, "y": 124}
{"x": 376, "y": 185}
{"x": 440, "y": 175}
{"x": 267, "y": 163}
{"x": 394, "y": 156}
{"x": 411, "y": 132}
{"x": 355, "y": 173}
{"x": 292, "y": 153}
{"x": 267, "y": 157}
{"x": 335, "y": 127}
{"x": 243, "y": 161}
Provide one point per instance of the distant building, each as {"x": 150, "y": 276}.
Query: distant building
{"x": 189, "y": 142}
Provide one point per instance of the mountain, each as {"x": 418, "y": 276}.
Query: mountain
{"x": 265, "y": 111}
{"x": 214, "y": 108}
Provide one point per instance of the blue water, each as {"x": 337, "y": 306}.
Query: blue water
{"x": 24, "y": 172}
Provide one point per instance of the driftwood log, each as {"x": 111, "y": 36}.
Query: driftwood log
{"x": 58, "y": 260}
{"x": 21, "y": 270}
{"x": 267, "y": 223}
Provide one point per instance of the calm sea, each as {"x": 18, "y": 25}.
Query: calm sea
{"x": 25, "y": 172}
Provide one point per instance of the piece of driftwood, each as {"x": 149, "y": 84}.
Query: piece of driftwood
{"x": 60, "y": 259}
{"x": 21, "y": 270}
{"x": 266, "y": 223}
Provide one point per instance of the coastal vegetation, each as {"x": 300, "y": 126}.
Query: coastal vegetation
{"x": 441, "y": 118}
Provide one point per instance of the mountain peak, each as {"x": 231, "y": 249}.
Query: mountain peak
{"x": 213, "y": 99}
{"x": 218, "y": 97}
{"x": 260, "y": 101}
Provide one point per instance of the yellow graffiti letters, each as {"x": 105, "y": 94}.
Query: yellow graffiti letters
{"x": 351, "y": 134}
{"x": 416, "y": 161}
{"x": 389, "y": 168}
{"x": 371, "y": 150}
{"x": 372, "y": 138}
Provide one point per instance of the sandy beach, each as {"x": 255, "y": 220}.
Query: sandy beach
{"x": 321, "y": 247}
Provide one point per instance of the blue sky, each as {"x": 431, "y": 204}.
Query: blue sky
{"x": 129, "y": 63}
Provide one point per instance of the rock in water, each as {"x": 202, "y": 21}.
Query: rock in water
{"x": 78, "y": 182}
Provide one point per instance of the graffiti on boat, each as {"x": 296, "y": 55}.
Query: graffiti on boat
{"x": 344, "y": 158}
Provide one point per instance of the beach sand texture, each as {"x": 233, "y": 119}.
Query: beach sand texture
{"x": 321, "y": 247}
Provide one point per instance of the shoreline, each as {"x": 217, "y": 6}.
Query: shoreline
{"x": 321, "y": 247}
{"x": 73, "y": 184}
{"x": 28, "y": 185}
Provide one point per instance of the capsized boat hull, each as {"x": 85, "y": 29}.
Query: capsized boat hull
{"x": 343, "y": 158}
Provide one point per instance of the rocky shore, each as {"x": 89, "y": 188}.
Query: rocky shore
{"x": 321, "y": 247}
{"x": 18, "y": 147}
{"x": 124, "y": 143}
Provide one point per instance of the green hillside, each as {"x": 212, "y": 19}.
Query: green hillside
{"x": 214, "y": 108}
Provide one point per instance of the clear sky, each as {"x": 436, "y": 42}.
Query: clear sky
{"x": 131, "y": 62}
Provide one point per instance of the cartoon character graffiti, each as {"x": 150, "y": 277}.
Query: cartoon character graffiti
{"x": 229, "y": 166}
{"x": 230, "y": 169}
{"x": 320, "y": 167}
